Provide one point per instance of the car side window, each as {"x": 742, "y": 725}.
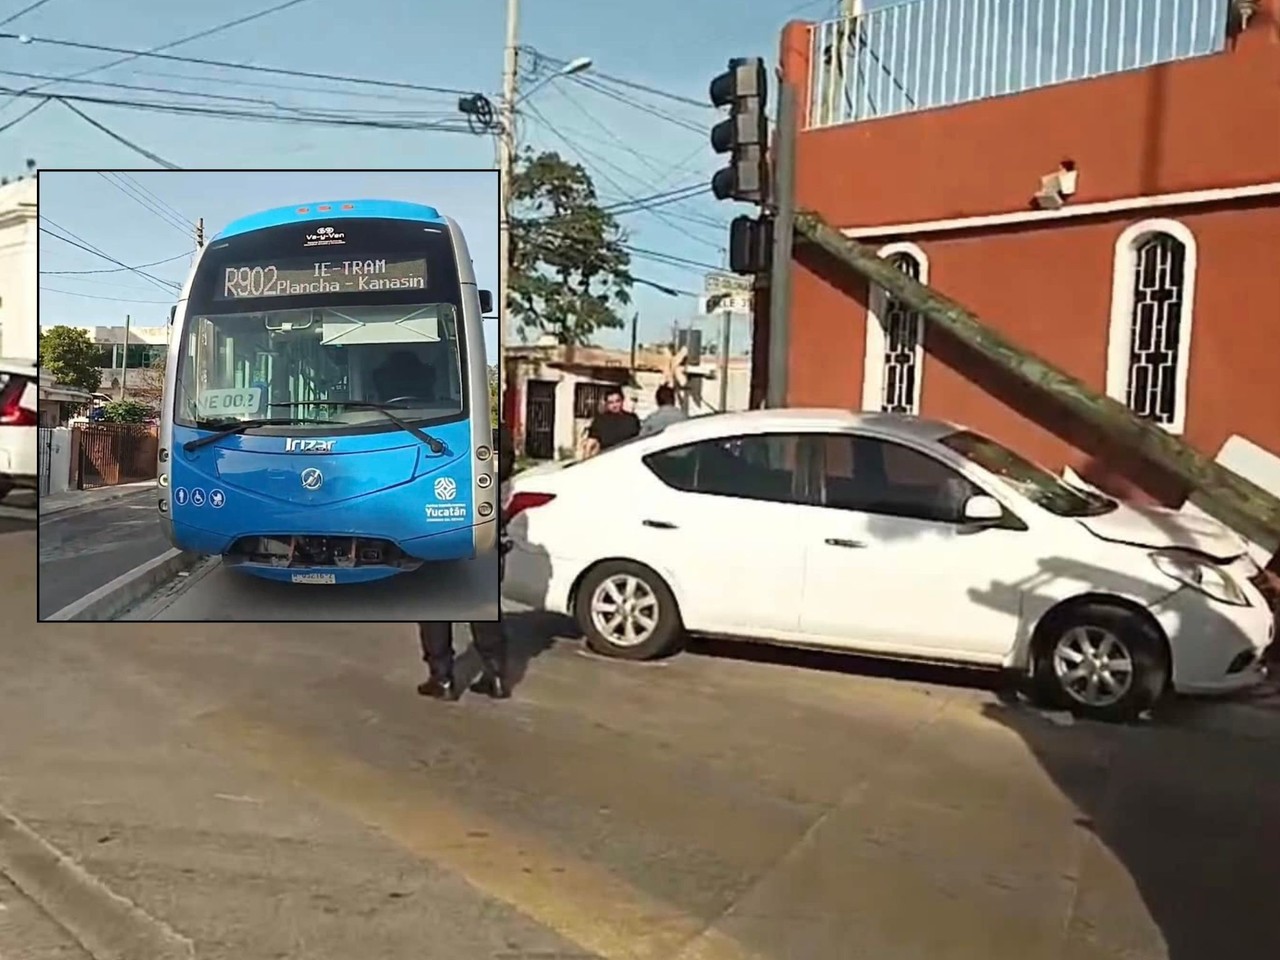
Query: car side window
{"x": 754, "y": 467}
{"x": 883, "y": 477}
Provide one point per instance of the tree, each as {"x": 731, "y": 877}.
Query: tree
{"x": 71, "y": 357}
{"x": 570, "y": 271}
{"x": 127, "y": 411}
{"x": 146, "y": 383}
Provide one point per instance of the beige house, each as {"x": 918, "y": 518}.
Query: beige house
{"x": 18, "y": 269}
{"x": 555, "y": 390}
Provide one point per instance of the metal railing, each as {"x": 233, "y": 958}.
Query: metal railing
{"x": 923, "y": 54}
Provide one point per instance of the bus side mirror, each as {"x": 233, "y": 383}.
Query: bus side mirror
{"x": 486, "y": 301}
{"x": 173, "y": 312}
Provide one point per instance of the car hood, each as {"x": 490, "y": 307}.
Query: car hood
{"x": 1159, "y": 527}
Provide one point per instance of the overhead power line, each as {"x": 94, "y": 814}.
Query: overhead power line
{"x": 183, "y": 109}
{"x": 279, "y": 71}
{"x": 135, "y": 193}
{"x": 23, "y": 12}
{"x": 95, "y": 296}
{"x": 119, "y": 138}
{"x": 136, "y": 266}
{"x": 78, "y": 241}
{"x": 199, "y": 35}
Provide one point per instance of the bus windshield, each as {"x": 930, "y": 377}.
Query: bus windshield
{"x": 239, "y": 366}
{"x": 311, "y": 322}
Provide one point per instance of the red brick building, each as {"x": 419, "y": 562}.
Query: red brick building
{"x": 926, "y": 129}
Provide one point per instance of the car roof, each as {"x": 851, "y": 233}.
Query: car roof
{"x": 806, "y": 420}
{"x": 26, "y": 368}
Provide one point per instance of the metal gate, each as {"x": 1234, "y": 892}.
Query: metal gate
{"x": 44, "y": 459}
{"x": 114, "y": 453}
{"x": 540, "y": 420}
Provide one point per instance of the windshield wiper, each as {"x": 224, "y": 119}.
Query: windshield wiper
{"x": 240, "y": 426}
{"x": 435, "y": 445}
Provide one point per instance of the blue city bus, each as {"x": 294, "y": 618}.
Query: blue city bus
{"x": 326, "y": 405}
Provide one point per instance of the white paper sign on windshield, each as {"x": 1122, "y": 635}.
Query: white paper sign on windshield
{"x": 234, "y": 402}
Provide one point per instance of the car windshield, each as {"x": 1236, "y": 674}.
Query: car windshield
{"x": 1037, "y": 484}
{"x": 240, "y": 366}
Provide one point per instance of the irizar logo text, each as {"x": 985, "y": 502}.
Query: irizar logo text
{"x": 292, "y": 445}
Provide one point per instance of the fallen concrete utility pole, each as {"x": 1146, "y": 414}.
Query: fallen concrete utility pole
{"x": 1241, "y": 505}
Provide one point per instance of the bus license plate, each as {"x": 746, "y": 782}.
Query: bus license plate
{"x": 314, "y": 578}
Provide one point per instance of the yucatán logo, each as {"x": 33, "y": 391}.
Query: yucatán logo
{"x": 293, "y": 445}
{"x": 446, "y": 488}
{"x": 312, "y": 479}
{"x": 324, "y": 237}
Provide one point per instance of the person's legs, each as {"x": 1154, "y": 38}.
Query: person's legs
{"x": 436, "y": 638}
{"x": 491, "y": 646}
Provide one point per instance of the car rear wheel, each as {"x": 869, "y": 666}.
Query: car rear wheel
{"x": 628, "y": 612}
{"x": 1102, "y": 662}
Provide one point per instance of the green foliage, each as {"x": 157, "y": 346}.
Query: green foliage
{"x": 494, "y": 400}
{"x": 127, "y": 411}
{"x": 72, "y": 358}
{"x": 570, "y": 271}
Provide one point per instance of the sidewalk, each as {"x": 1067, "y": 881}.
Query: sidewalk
{"x": 59, "y": 502}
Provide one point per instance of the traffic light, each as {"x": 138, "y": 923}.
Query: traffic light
{"x": 744, "y": 135}
{"x": 750, "y": 244}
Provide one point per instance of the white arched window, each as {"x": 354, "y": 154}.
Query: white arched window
{"x": 1152, "y": 298}
{"x": 895, "y": 340}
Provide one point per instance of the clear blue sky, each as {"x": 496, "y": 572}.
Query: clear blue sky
{"x": 111, "y": 217}
{"x": 674, "y": 45}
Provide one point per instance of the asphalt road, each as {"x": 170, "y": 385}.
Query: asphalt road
{"x": 85, "y": 547}
{"x": 281, "y": 792}
{"x": 462, "y": 591}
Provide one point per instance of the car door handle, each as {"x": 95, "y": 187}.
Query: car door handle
{"x": 837, "y": 542}
{"x": 659, "y": 524}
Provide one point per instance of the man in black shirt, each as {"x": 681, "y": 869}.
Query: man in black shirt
{"x": 611, "y": 426}
{"x": 490, "y": 642}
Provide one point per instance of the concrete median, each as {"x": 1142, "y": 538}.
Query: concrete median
{"x": 114, "y": 598}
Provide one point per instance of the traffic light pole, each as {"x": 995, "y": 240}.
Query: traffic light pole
{"x": 784, "y": 203}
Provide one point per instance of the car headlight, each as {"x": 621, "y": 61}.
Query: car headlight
{"x": 1200, "y": 574}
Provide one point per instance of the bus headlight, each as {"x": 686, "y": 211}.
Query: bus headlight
{"x": 163, "y": 479}
{"x": 485, "y": 509}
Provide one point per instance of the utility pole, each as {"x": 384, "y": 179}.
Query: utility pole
{"x": 635, "y": 333}
{"x": 726, "y": 333}
{"x": 124, "y": 363}
{"x": 200, "y": 233}
{"x": 506, "y": 164}
{"x": 784, "y": 200}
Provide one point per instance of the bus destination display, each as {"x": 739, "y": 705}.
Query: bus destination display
{"x": 293, "y": 278}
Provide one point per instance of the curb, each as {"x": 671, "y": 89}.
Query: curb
{"x": 114, "y": 598}
{"x": 107, "y": 925}
{"x": 46, "y": 509}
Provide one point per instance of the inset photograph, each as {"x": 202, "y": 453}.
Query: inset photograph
{"x": 272, "y": 395}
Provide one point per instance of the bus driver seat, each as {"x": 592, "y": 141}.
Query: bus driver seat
{"x": 403, "y": 375}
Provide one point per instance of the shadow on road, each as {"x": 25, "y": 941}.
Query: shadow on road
{"x": 1192, "y": 819}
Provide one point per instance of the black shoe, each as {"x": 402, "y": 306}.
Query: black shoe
{"x": 492, "y": 685}
{"x": 439, "y": 688}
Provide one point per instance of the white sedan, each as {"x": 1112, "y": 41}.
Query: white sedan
{"x": 889, "y": 535}
{"x": 18, "y": 422}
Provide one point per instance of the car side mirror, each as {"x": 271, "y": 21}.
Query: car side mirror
{"x": 486, "y": 301}
{"x": 983, "y": 509}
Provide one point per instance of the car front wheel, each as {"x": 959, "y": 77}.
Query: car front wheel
{"x": 1101, "y": 662}
{"x": 627, "y": 611}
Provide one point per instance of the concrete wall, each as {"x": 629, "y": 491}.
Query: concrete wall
{"x": 60, "y": 461}
{"x": 18, "y": 233}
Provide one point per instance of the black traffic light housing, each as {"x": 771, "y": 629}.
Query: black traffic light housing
{"x": 744, "y": 134}
{"x": 750, "y": 245}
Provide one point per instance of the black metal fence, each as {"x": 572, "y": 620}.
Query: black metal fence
{"x": 44, "y": 459}
{"x": 107, "y": 454}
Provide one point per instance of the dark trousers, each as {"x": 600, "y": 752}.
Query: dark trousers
{"x": 437, "y": 647}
